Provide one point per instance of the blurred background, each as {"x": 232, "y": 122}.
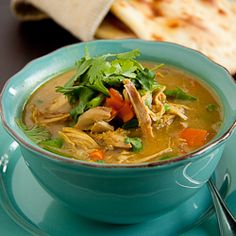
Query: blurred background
{"x": 20, "y": 42}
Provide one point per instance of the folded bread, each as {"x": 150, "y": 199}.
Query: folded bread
{"x": 205, "y": 25}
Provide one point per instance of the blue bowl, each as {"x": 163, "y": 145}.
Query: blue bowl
{"x": 120, "y": 193}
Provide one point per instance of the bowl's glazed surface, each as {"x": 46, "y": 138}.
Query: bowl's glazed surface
{"x": 120, "y": 193}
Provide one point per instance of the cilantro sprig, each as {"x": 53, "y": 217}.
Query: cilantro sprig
{"x": 95, "y": 75}
{"x": 179, "y": 93}
{"x": 37, "y": 133}
{"x": 136, "y": 143}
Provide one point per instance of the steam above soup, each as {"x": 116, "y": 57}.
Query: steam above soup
{"x": 113, "y": 109}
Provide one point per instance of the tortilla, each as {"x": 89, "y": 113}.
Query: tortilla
{"x": 205, "y": 25}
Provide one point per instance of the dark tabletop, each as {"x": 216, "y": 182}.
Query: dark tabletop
{"x": 22, "y": 42}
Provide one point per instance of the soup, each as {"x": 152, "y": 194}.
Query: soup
{"x": 114, "y": 109}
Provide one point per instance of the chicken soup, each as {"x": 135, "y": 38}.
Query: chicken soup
{"x": 114, "y": 109}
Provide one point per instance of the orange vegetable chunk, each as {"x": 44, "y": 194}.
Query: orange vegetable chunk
{"x": 120, "y": 107}
{"x": 97, "y": 155}
{"x": 126, "y": 112}
{"x": 194, "y": 137}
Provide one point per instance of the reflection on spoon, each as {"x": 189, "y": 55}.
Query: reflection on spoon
{"x": 226, "y": 221}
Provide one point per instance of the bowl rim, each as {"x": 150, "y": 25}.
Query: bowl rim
{"x": 59, "y": 158}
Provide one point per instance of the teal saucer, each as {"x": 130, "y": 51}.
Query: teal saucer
{"x": 26, "y": 209}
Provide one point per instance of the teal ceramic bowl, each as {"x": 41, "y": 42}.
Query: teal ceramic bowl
{"x": 120, "y": 193}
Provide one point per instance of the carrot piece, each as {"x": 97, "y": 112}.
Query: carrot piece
{"x": 97, "y": 155}
{"x": 126, "y": 112}
{"x": 120, "y": 107}
{"x": 115, "y": 94}
{"x": 194, "y": 137}
{"x": 115, "y": 100}
{"x": 116, "y": 104}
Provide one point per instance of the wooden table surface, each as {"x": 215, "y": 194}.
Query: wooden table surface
{"x": 22, "y": 42}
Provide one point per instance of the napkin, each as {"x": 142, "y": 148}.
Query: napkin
{"x": 80, "y": 17}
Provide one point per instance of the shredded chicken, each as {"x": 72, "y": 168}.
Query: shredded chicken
{"x": 101, "y": 126}
{"x": 46, "y": 118}
{"x": 140, "y": 109}
{"x": 124, "y": 156}
{"x": 93, "y": 115}
{"x": 183, "y": 124}
{"x": 159, "y": 97}
{"x": 120, "y": 156}
{"x": 78, "y": 139}
{"x": 115, "y": 139}
{"x": 179, "y": 110}
{"x": 158, "y": 101}
{"x": 166, "y": 120}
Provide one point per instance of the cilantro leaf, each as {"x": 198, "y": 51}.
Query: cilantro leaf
{"x": 85, "y": 94}
{"x": 135, "y": 142}
{"x": 95, "y": 101}
{"x": 211, "y": 107}
{"x": 37, "y": 133}
{"x": 166, "y": 107}
{"x": 147, "y": 80}
{"x": 56, "y": 142}
{"x": 129, "y": 55}
{"x": 178, "y": 93}
{"x": 95, "y": 75}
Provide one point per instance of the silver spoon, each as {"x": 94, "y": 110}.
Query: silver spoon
{"x": 226, "y": 221}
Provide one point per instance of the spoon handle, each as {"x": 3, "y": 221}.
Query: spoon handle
{"x": 226, "y": 221}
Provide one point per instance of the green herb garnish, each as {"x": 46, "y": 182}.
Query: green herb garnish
{"x": 136, "y": 143}
{"x": 100, "y": 161}
{"x": 166, "y": 107}
{"x": 178, "y": 93}
{"x": 95, "y": 75}
{"x": 85, "y": 95}
{"x": 211, "y": 107}
{"x": 37, "y": 133}
{"x": 95, "y": 101}
{"x": 56, "y": 142}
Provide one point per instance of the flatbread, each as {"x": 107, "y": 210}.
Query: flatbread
{"x": 113, "y": 28}
{"x": 205, "y": 25}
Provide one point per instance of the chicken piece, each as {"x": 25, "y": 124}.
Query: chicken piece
{"x": 115, "y": 139}
{"x": 119, "y": 156}
{"x": 158, "y": 108}
{"x": 59, "y": 104}
{"x": 159, "y": 98}
{"x": 93, "y": 115}
{"x": 166, "y": 120}
{"x": 78, "y": 139}
{"x": 179, "y": 110}
{"x": 101, "y": 126}
{"x": 46, "y": 118}
{"x": 147, "y": 99}
{"x": 140, "y": 109}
